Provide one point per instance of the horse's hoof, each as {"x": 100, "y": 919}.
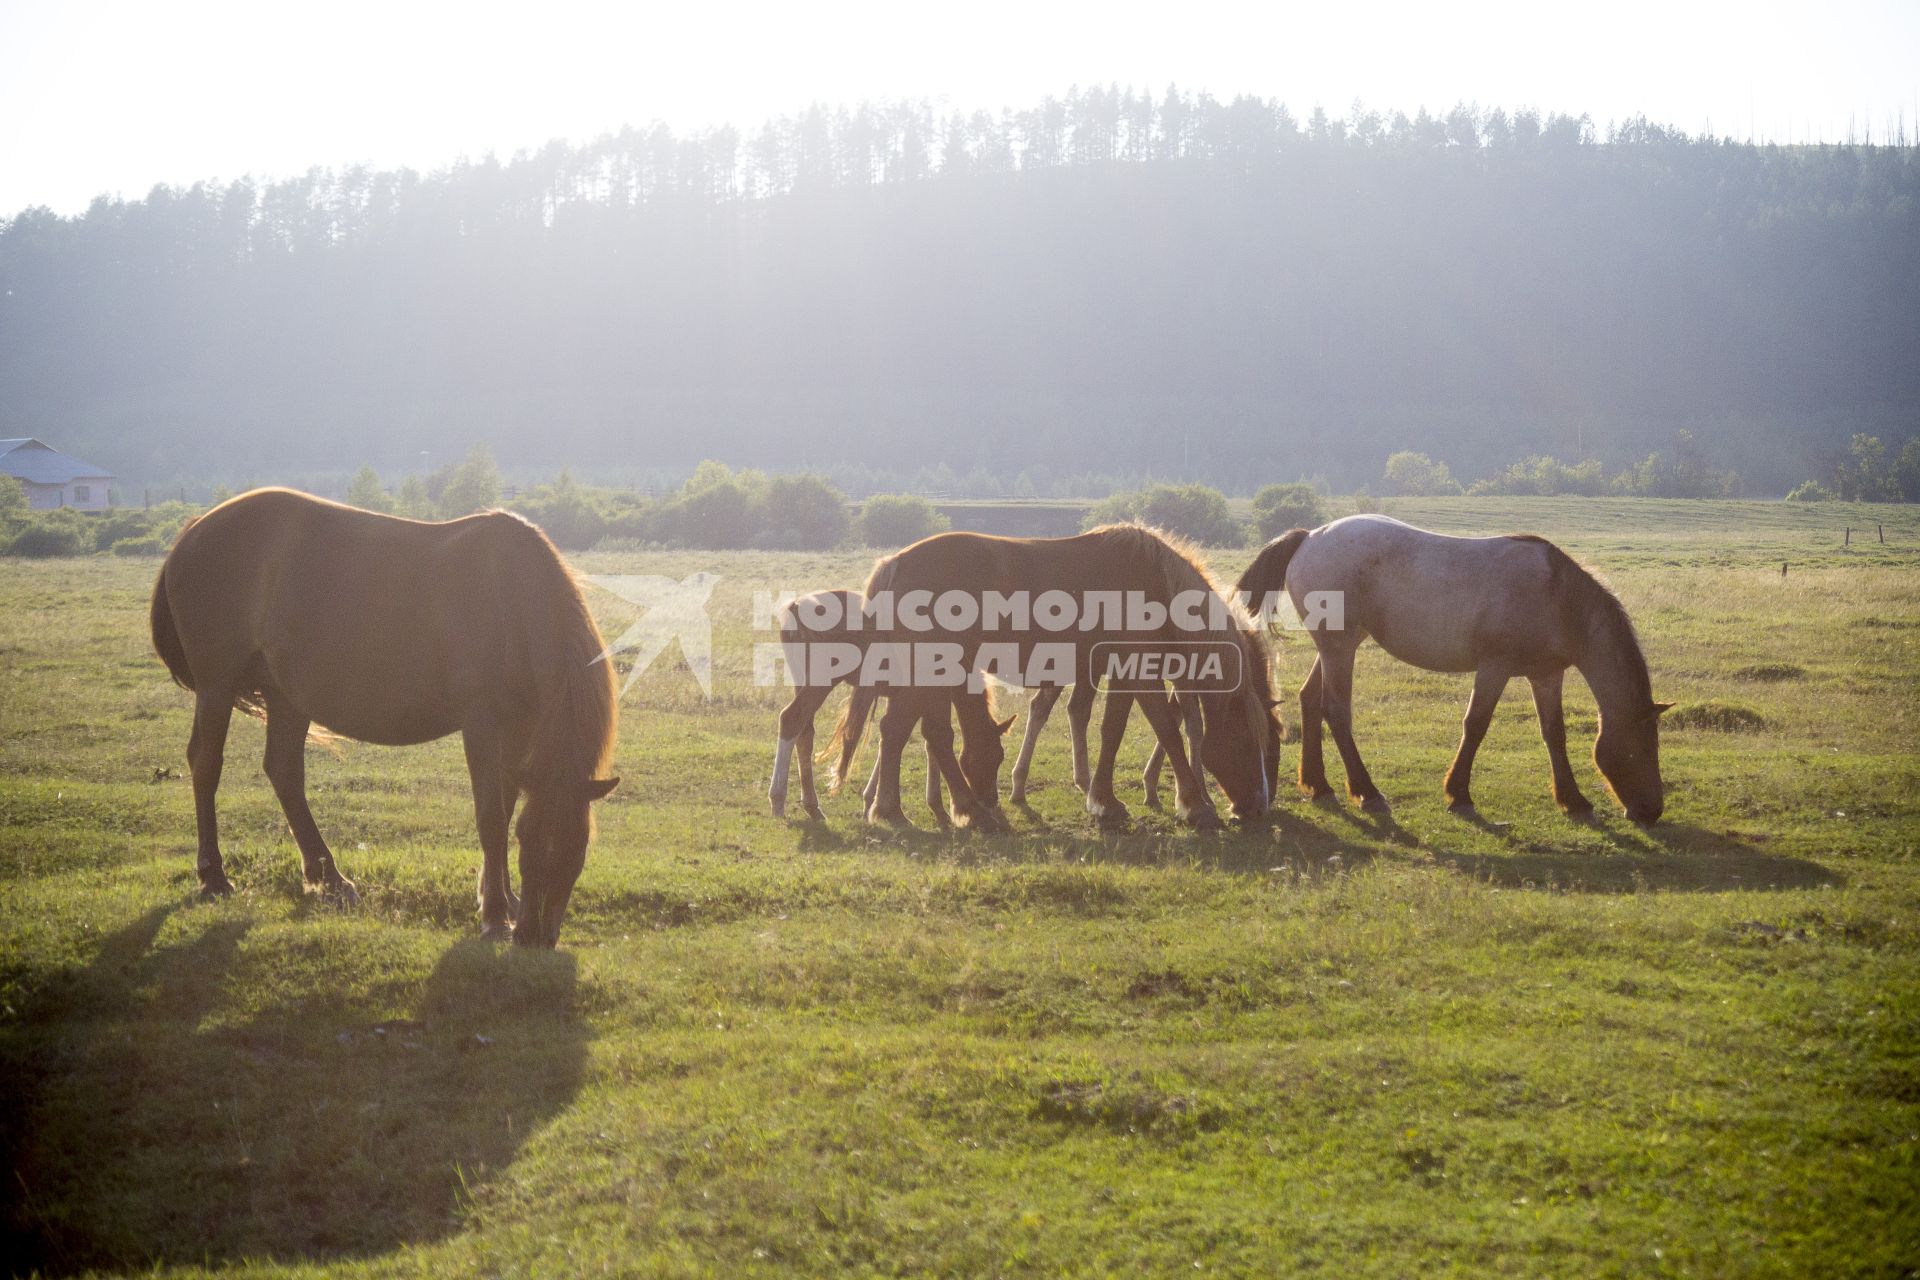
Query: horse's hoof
{"x": 779, "y": 808}
{"x": 342, "y": 893}
{"x": 1205, "y": 820}
{"x": 500, "y": 931}
{"x": 1375, "y": 803}
{"x": 1579, "y": 810}
{"x": 215, "y": 887}
{"x": 1463, "y": 809}
{"x": 1112, "y": 816}
{"x": 814, "y": 814}
{"x": 985, "y": 819}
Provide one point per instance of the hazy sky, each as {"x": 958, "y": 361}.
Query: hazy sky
{"x": 112, "y": 96}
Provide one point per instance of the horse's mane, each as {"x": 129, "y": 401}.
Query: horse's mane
{"x": 573, "y": 733}
{"x": 1182, "y": 569}
{"x": 1585, "y": 602}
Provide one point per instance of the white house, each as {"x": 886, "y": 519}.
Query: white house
{"x": 54, "y": 479}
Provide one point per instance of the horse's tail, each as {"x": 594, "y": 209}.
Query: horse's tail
{"x": 845, "y": 742}
{"x": 166, "y": 637}
{"x": 1267, "y": 575}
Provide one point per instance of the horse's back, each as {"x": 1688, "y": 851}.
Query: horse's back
{"x": 1435, "y": 600}
{"x": 371, "y": 624}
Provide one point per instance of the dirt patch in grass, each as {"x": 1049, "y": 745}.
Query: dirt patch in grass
{"x": 1771, "y": 673}
{"x": 1127, "y": 1106}
{"x": 1721, "y": 717}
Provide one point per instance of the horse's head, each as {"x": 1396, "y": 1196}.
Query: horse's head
{"x": 1628, "y": 755}
{"x": 1240, "y": 732}
{"x": 981, "y": 754}
{"x": 554, "y": 827}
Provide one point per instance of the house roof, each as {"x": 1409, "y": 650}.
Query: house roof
{"x": 40, "y": 463}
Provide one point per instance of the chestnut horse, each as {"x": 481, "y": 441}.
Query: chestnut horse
{"x": 1110, "y": 563}
{"x": 826, "y": 617}
{"x": 305, "y": 612}
{"x": 1498, "y": 607}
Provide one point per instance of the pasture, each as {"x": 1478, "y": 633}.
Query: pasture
{"x": 1330, "y": 1043}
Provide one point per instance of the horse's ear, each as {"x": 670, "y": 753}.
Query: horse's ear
{"x": 1661, "y": 708}
{"x": 1008, "y": 723}
{"x": 598, "y": 788}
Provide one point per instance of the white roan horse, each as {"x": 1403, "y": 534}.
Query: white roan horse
{"x": 1498, "y": 607}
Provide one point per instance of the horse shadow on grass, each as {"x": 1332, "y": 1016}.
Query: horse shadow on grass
{"x": 188, "y": 1104}
{"x": 1671, "y": 857}
{"x": 1276, "y": 841}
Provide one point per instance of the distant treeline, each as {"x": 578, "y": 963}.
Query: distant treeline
{"x": 720, "y": 508}
{"x": 1107, "y": 283}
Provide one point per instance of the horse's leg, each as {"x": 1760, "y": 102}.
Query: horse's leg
{"x": 937, "y": 729}
{"x": 286, "y": 766}
{"x": 1191, "y": 803}
{"x": 1488, "y": 684}
{"x": 206, "y": 750}
{"x": 1150, "y": 776}
{"x": 1336, "y": 694}
{"x": 1038, "y": 709}
{"x": 896, "y": 726}
{"x": 795, "y": 718}
{"x": 1079, "y": 716}
{"x": 1195, "y": 725}
{"x": 484, "y": 770}
{"x": 1101, "y": 802}
{"x": 1313, "y": 766}
{"x": 809, "y": 798}
{"x": 928, "y": 734}
{"x": 1553, "y": 730}
{"x": 1189, "y": 715}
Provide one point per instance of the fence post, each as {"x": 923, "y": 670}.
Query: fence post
{"x": 1848, "y": 540}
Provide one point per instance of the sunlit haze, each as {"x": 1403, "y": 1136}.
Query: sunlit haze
{"x": 115, "y": 97}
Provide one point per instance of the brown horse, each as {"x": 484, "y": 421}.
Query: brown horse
{"x": 306, "y": 612}
{"x": 1498, "y": 607}
{"x": 826, "y": 618}
{"x": 1094, "y": 569}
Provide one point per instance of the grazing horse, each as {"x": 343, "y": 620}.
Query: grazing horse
{"x": 1105, "y": 564}
{"x": 1498, "y": 607}
{"x": 980, "y": 756}
{"x": 305, "y": 612}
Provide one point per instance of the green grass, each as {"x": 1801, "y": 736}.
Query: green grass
{"x": 1327, "y": 1044}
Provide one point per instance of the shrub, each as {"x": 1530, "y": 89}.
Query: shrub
{"x": 719, "y": 515}
{"x": 414, "y": 501}
{"x": 566, "y": 512}
{"x": 1191, "y": 511}
{"x": 1418, "y": 476}
{"x": 1280, "y": 507}
{"x": 1545, "y": 477}
{"x": 367, "y": 493}
{"x": 474, "y": 485}
{"x": 801, "y": 512}
{"x": 150, "y": 544}
{"x": 898, "y": 519}
{"x": 53, "y": 533}
{"x": 13, "y": 497}
{"x": 1810, "y": 491}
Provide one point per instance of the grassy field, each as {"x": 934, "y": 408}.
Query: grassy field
{"x": 1327, "y": 1044}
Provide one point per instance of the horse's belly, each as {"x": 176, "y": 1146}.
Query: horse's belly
{"x": 1430, "y": 651}
{"x": 390, "y": 730}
